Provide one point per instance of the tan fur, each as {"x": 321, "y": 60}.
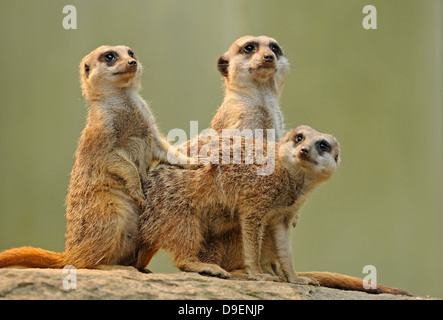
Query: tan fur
{"x": 181, "y": 213}
{"x": 115, "y": 150}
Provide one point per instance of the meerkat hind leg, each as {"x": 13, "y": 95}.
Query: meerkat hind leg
{"x": 144, "y": 257}
{"x": 210, "y": 269}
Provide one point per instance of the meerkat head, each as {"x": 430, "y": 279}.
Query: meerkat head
{"x": 108, "y": 69}
{"x": 314, "y": 153}
{"x": 254, "y": 60}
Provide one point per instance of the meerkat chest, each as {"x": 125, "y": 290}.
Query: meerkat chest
{"x": 285, "y": 215}
{"x": 286, "y": 211}
{"x": 268, "y": 117}
{"x": 292, "y": 211}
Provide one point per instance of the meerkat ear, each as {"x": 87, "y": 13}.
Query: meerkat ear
{"x": 222, "y": 66}
{"x": 337, "y": 159}
{"x": 282, "y": 51}
{"x": 86, "y": 69}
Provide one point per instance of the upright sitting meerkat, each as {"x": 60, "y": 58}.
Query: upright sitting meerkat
{"x": 180, "y": 204}
{"x": 117, "y": 146}
{"x": 254, "y": 71}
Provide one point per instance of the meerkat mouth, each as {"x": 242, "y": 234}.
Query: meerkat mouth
{"x": 308, "y": 161}
{"x": 266, "y": 66}
{"x": 123, "y": 72}
{"x": 266, "y": 71}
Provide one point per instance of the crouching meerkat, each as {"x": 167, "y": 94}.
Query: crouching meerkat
{"x": 115, "y": 150}
{"x": 180, "y": 211}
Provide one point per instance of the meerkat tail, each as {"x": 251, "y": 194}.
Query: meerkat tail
{"x": 30, "y": 257}
{"x": 344, "y": 282}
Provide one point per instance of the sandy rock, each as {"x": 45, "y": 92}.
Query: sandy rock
{"x": 130, "y": 284}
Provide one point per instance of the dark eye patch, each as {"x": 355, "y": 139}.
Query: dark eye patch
{"x": 109, "y": 57}
{"x": 323, "y": 146}
{"x": 275, "y": 48}
{"x": 131, "y": 54}
{"x": 249, "y": 48}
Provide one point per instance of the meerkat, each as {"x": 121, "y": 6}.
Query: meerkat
{"x": 180, "y": 204}
{"x": 254, "y": 71}
{"x": 115, "y": 150}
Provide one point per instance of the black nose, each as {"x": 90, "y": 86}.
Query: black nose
{"x": 132, "y": 63}
{"x": 268, "y": 58}
{"x": 304, "y": 151}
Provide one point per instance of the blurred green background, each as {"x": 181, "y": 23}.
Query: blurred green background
{"x": 379, "y": 91}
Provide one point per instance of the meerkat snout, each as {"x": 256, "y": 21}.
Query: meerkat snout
{"x": 268, "y": 58}
{"x": 305, "y": 156}
{"x": 131, "y": 67}
{"x": 304, "y": 152}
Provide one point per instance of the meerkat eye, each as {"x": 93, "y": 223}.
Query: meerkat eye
{"x": 336, "y": 158}
{"x": 109, "y": 56}
{"x": 324, "y": 146}
{"x": 298, "y": 138}
{"x": 131, "y": 54}
{"x": 248, "y": 48}
{"x": 275, "y": 48}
